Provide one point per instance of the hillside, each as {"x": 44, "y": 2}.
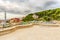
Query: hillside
{"x": 47, "y": 15}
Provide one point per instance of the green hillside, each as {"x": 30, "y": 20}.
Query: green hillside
{"x": 47, "y": 15}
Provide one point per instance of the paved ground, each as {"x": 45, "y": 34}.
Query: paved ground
{"x": 34, "y": 33}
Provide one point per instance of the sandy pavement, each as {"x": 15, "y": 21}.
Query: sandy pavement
{"x": 34, "y": 33}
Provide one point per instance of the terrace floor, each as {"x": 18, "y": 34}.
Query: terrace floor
{"x": 34, "y": 33}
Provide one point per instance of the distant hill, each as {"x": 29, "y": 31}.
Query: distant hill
{"x": 47, "y": 15}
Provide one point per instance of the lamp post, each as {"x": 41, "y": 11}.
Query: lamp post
{"x": 4, "y": 24}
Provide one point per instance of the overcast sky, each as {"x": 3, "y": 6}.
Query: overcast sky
{"x": 26, "y": 6}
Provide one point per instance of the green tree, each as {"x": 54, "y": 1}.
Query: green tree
{"x": 28, "y": 18}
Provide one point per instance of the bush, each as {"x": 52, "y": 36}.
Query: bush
{"x": 47, "y": 15}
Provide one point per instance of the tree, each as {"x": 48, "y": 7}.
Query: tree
{"x": 28, "y": 18}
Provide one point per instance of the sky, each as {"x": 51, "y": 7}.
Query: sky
{"x": 23, "y": 7}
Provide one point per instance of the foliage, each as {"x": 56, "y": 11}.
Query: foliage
{"x": 28, "y": 18}
{"x": 47, "y": 15}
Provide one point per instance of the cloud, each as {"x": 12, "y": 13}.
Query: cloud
{"x": 23, "y": 6}
{"x": 16, "y": 7}
{"x": 12, "y": 6}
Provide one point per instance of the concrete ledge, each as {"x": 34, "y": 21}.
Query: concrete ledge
{"x": 14, "y": 28}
